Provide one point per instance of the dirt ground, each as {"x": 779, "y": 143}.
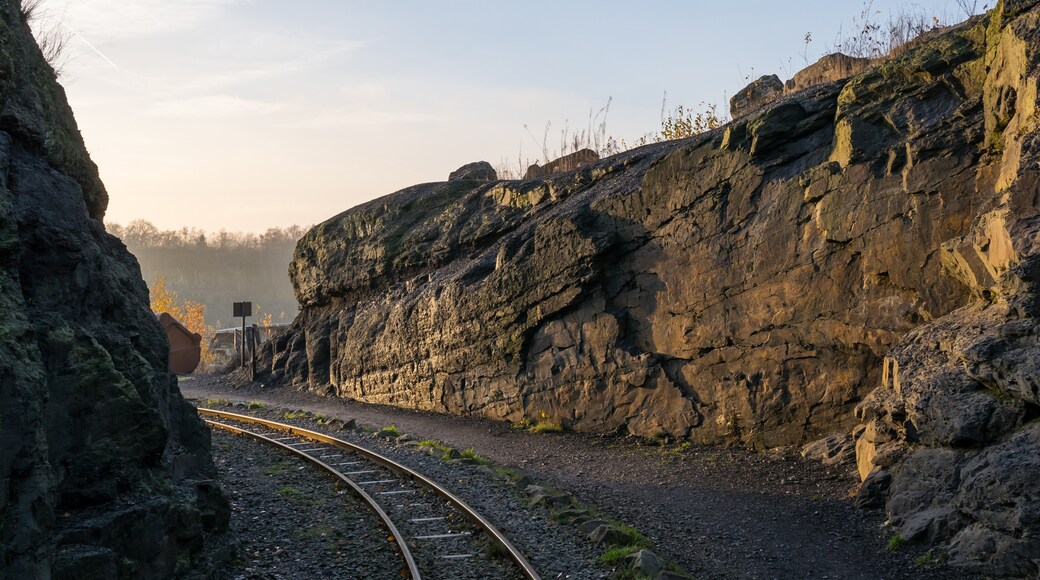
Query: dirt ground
{"x": 718, "y": 512}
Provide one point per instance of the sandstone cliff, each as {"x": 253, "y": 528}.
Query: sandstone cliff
{"x": 744, "y": 285}
{"x": 105, "y": 471}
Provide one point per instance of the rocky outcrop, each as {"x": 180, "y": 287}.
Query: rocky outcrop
{"x": 477, "y": 171}
{"x": 868, "y": 236}
{"x": 830, "y": 68}
{"x": 756, "y": 95}
{"x": 742, "y": 285}
{"x": 566, "y": 163}
{"x": 105, "y": 471}
{"x": 952, "y": 433}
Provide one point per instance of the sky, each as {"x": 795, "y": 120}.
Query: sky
{"x": 248, "y": 114}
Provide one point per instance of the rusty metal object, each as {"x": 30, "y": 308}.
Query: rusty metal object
{"x": 185, "y": 345}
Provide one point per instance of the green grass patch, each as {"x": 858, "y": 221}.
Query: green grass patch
{"x": 216, "y": 403}
{"x": 678, "y": 449}
{"x": 933, "y": 557}
{"x": 293, "y": 415}
{"x": 389, "y": 431}
{"x": 471, "y": 454}
{"x": 296, "y": 495}
{"x": 256, "y": 405}
{"x": 639, "y": 539}
{"x": 895, "y": 543}
{"x": 618, "y": 553}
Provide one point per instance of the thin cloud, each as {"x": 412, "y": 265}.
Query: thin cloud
{"x": 212, "y": 107}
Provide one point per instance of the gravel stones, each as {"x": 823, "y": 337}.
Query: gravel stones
{"x": 291, "y": 522}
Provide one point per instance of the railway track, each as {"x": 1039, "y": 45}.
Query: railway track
{"x": 436, "y": 533}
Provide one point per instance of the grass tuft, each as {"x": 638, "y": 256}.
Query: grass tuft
{"x": 618, "y": 553}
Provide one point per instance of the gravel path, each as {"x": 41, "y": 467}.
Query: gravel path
{"x": 718, "y": 512}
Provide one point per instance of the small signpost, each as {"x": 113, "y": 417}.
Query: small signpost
{"x": 243, "y": 310}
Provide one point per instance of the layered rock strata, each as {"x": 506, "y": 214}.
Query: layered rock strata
{"x": 744, "y": 285}
{"x": 105, "y": 471}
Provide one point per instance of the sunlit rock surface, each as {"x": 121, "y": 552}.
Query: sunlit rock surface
{"x": 105, "y": 471}
{"x": 858, "y": 258}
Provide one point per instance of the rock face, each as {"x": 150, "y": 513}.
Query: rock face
{"x": 952, "y": 432}
{"x": 478, "y": 171}
{"x": 105, "y": 471}
{"x": 756, "y": 95}
{"x": 872, "y": 236}
{"x": 566, "y": 163}
{"x": 830, "y": 68}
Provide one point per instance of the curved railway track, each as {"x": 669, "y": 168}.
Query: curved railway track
{"x": 436, "y": 533}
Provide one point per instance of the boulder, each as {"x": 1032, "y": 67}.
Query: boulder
{"x": 569, "y": 162}
{"x": 476, "y": 171}
{"x": 756, "y": 95}
{"x": 830, "y": 68}
{"x": 645, "y": 563}
{"x": 608, "y": 535}
{"x": 831, "y": 450}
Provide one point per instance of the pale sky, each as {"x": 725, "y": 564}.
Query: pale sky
{"x": 249, "y": 114}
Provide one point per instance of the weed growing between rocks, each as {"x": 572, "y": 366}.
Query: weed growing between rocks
{"x": 933, "y": 557}
{"x": 542, "y": 425}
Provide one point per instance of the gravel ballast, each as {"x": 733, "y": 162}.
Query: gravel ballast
{"x": 290, "y": 521}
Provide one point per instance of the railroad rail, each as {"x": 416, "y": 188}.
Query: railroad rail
{"x": 386, "y": 486}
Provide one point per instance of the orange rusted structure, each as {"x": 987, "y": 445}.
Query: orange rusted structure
{"x": 185, "y": 345}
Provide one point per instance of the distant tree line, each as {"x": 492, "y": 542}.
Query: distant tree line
{"x": 217, "y": 269}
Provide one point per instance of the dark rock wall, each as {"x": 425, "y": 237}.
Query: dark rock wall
{"x": 105, "y": 471}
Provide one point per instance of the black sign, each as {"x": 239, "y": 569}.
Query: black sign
{"x": 243, "y": 309}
